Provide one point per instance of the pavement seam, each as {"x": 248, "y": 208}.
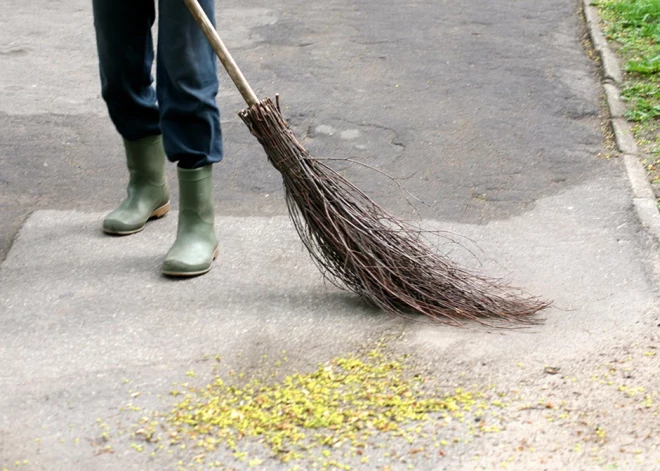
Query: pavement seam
{"x": 4, "y": 251}
{"x": 644, "y": 200}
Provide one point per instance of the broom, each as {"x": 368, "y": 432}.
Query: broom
{"x": 355, "y": 243}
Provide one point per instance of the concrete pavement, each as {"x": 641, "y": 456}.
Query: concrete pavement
{"x": 490, "y": 112}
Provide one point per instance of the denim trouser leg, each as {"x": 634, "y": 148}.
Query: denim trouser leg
{"x": 125, "y": 48}
{"x": 187, "y": 83}
{"x": 187, "y": 87}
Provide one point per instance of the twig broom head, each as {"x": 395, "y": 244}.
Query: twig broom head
{"x": 359, "y": 246}
{"x": 354, "y": 242}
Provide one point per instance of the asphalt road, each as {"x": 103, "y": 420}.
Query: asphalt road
{"x": 486, "y": 111}
{"x": 479, "y": 108}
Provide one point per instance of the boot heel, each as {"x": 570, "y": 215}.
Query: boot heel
{"x": 160, "y": 212}
{"x": 216, "y": 252}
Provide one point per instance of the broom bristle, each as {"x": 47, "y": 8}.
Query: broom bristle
{"x": 358, "y": 246}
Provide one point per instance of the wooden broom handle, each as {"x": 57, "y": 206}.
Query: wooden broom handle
{"x": 222, "y": 52}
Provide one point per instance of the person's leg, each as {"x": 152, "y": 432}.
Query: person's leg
{"x": 187, "y": 85}
{"x": 125, "y": 49}
{"x": 126, "y": 54}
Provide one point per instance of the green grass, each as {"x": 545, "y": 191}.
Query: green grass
{"x": 633, "y": 26}
{"x": 643, "y": 100}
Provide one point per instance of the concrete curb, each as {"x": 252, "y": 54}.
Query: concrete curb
{"x": 644, "y": 198}
{"x": 623, "y": 135}
{"x": 616, "y": 106}
{"x": 611, "y": 68}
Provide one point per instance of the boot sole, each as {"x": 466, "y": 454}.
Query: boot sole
{"x": 157, "y": 214}
{"x": 189, "y": 274}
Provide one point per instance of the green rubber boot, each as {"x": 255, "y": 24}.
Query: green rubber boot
{"x": 196, "y": 244}
{"x": 148, "y": 195}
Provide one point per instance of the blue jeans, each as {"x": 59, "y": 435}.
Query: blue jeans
{"x": 183, "y": 107}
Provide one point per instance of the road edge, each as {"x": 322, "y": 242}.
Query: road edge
{"x": 644, "y": 198}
